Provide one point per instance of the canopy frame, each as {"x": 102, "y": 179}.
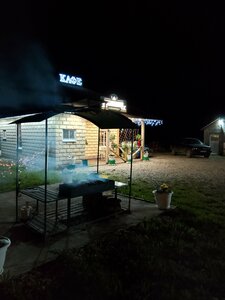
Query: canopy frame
{"x": 95, "y": 116}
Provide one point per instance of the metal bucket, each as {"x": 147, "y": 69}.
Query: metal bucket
{"x": 67, "y": 175}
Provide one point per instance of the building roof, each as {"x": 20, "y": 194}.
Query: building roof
{"x": 30, "y": 101}
{"x": 41, "y": 105}
{"x": 214, "y": 121}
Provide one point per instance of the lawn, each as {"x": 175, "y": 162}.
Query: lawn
{"x": 178, "y": 255}
{"x": 27, "y": 178}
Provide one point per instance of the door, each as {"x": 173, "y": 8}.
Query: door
{"x": 103, "y": 143}
{"x": 214, "y": 143}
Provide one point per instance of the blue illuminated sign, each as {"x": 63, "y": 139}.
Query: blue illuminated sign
{"x": 70, "y": 79}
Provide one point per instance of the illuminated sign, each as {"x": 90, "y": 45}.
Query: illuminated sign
{"x": 113, "y": 103}
{"x": 70, "y": 79}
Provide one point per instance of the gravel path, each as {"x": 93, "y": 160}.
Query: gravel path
{"x": 169, "y": 168}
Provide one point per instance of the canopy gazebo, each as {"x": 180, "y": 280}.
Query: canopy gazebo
{"x": 41, "y": 223}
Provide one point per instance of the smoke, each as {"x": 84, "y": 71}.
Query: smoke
{"x": 79, "y": 174}
{"x": 27, "y": 78}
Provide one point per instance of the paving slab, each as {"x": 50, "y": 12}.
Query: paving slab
{"x": 29, "y": 250}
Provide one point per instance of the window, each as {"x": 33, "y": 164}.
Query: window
{"x": 19, "y": 132}
{"x": 4, "y": 135}
{"x": 69, "y": 135}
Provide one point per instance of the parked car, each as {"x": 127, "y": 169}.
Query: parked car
{"x": 191, "y": 147}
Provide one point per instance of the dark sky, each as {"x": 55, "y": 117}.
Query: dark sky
{"x": 166, "y": 59}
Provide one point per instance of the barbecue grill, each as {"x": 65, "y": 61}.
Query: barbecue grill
{"x": 72, "y": 200}
{"x": 78, "y": 188}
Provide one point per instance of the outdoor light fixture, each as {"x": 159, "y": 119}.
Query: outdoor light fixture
{"x": 220, "y": 123}
{"x": 114, "y": 97}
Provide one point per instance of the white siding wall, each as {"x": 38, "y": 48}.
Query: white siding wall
{"x": 67, "y": 152}
{"x": 33, "y": 144}
{"x": 91, "y": 147}
{"x": 59, "y": 152}
{"x": 8, "y": 146}
{"x": 33, "y": 140}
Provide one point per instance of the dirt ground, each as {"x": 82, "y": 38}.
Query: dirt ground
{"x": 169, "y": 168}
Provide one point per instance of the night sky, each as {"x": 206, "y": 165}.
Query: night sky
{"x": 166, "y": 59}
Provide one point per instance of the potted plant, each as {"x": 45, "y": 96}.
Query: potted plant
{"x": 126, "y": 148}
{"x": 113, "y": 147}
{"x": 111, "y": 160}
{"x": 146, "y": 155}
{"x": 163, "y": 195}
{"x": 138, "y": 145}
{"x": 113, "y": 144}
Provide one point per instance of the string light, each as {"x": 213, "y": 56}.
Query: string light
{"x": 151, "y": 122}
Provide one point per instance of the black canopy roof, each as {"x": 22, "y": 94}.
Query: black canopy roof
{"x": 107, "y": 119}
{"x": 104, "y": 119}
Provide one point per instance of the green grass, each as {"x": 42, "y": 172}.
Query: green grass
{"x": 26, "y": 178}
{"x": 177, "y": 255}
{"x": 174, "y": 256}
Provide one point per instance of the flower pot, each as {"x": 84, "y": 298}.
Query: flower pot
{"x": 163, "y": 200}
{"x": 128, "y": 158}
{"x": 4, "y": 244}
{"x": 146, "y": 156}
{"x": 111, "y": 160}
